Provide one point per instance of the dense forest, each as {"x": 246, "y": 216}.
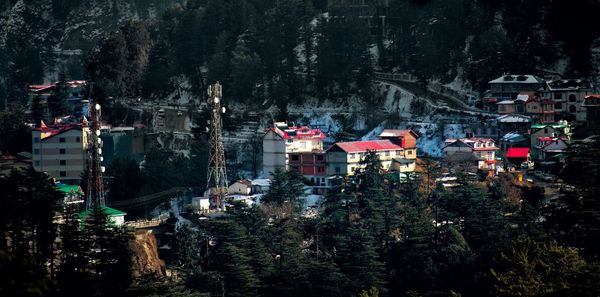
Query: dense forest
{"x": 286, "y": 50}
{"x": 376, "y": 236}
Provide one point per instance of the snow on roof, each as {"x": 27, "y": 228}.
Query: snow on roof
{"x": 523, "y": 79}
{"x": 568, "y": 84}
{"x": 513, "y": 118}
{"x": 506, "y": 102}
{"x": 368, "y": 145}
{"x": 512, "y": 136}
{"x": 517, "y": 152}
{"x": 397, "y": 133}
{"x": 303, "y": 132}
{"x": 263, "y": 182}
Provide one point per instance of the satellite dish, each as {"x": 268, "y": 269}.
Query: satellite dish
{"x": 223, "y": 109}
{"x": 97, "y": 132}
{"x": 216, "y": 100}
{"x": 97, "y": 106}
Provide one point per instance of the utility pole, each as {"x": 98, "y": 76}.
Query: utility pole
{"x": 217, "y": 175}
{"x": 95, "y": 186}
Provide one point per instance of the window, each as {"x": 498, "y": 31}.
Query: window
{"x": 398, "y": 153}
{"x": 572, "y": 98}
{"x": 77, "y": 139}
{"x": 62, "y": 139}
{"x": 337, "y": 170}
{"x": 352, "y": 169}
{"x": 62, "y": 174}
{"x": 36, "y": 151}
{"x": 295, "y": 157}
{"x": 387, "y": 153}
{"x": 557, "y": 95}
{"x": 352, "y": 155}
{"x": 36, "y": 140}
{"x": 558, "y": 105}
{"x": 320, "y": 169}
{"x": 572, "y": 109}
{"x": 62, "y": 151}
{"x": 320, "y": 157}
{"x": 63, "y": 162}
{"x": 290, "y": 141}
{"x": 409, "y": 152}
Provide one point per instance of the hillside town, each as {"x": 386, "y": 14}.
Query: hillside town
{"x": 198, "y": 148}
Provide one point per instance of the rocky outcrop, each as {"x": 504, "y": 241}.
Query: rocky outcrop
{"x": 145, "y": 260}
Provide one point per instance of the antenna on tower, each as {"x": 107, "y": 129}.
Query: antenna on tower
{"x": 95, "y": 186}
{"x": 217, "y": 174}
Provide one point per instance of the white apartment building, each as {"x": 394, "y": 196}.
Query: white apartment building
{"x": 60, "y": 151}
{"x": 281, "y": 140}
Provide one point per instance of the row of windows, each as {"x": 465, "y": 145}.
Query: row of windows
{"x": 385, "y": 153}
{"x": 61, "y": 151}
{"x": 297, "y": 157}
{"x": 61, "y": 162}
{"x": 60, "y": 139}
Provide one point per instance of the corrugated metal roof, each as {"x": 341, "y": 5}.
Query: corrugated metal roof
{"x": 369, "y": 145}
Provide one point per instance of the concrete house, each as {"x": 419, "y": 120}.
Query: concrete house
{"x": 281, "y": 140}
{"x": 592, "y": 110}
{"x": 483, "y": 148}
{"x": 343, "y": 158}
{"x": 569, "y": 96}
{"x": 60, "y": 151}
{"x": 547, "y": 147}
{"x": 240, "y": 187}
{"x": 547, "y": 130}
{"x": 407, "y": 139}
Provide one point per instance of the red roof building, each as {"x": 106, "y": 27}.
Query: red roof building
{"x": 518, "y": 152}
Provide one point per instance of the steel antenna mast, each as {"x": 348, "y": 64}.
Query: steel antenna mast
{"x": 95, "y": 186}
{"x": 217, "y": 174}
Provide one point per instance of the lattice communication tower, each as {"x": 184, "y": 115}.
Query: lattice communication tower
{"x": 217, "y": 174}
{"x": 95, "y": 186}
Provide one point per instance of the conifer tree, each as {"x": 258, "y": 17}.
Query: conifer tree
{"x": 357, "y": 259}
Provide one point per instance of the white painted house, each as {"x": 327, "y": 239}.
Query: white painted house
{"x": 483, "y": 148}
{"x": 281, "y": 140}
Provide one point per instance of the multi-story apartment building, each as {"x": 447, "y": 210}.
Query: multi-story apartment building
{"x": 592, "y": 109}
{"x": 60, "y": 150}
{"x": 568, "y": 96}
{"x": 312, "y": 165}
{"x": 282, "y": 140}
{"x": 507, "y": 87}
{"x": 344, "y": 158}
{"x": 484, "y": 148}
{"x": 397, "y": 151}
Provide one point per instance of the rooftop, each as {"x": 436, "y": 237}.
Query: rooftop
{"x": 368, "y": 145}
{"x": 110, "y": 212}
{"x": 52, "y": 130}
{"x": 517, "y": 152}
{"x": 397, "y": 133}
{"x": 568, "y": 84}
{"x": 303, "y": 132}
{"x": 553, "y": 125}
{"x": 513, "y": 118}
{"x": 524, "y": 79}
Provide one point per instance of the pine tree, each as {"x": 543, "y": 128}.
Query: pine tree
{"x": 530, "y": 268}
{"x": 357, "y": 259}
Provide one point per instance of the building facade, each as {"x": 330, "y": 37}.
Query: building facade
{"x": 281, "y": 140}
{"x": 483, "y": 148}
{"x": 60, "y": 151}
{"x": 344, "y": 158}
{"x": 569, "y": 96}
